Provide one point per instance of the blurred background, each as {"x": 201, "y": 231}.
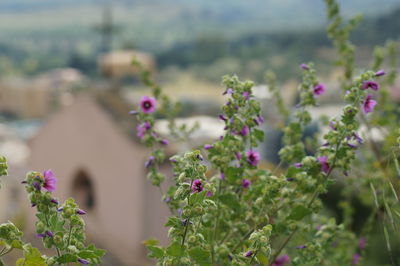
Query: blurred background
{"x": 67, "y": 84}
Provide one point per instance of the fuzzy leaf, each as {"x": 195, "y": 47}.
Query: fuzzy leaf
{"x": 201, "y": 256}
{"x": 175, "y": 250}
{"x": 298, "y": 213}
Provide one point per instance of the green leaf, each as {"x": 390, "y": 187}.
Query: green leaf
{"x": 196, "y": 198}
{"x": 66, "y": 258}
{"x": 298, "y": 213}
{"x": 32, "y": 257}
{"x": 262, "y": 258}
{"x": 175, "y": 250}
{"x": 155, "y": 252}
{"x": 232, "y": 174}
{"x": 259, "y": 134}
{"x": 16, "y": 244}
{"x": 151, "y": 242}
{"x": 1, "y": 263}
{"x": 200, "y": 255}
{"x": 230, "y": 200}
{"x": 173, "y": 221}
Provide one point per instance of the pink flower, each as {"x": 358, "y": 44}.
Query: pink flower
{"x": 197, "y": 186}
{"x": 246, "y": 95}
{"x": 369, "y": 104}
{"x": 281, "y": 260}
{"x": 246, "y": 183}
{"x": 244, "y": 131}
{"x": 148, "y": 104}
{"x": 304, "y": 67}
{"x": 356, "y": 259}
{"x": 319, "y": 89}
{"x": 324, "y": 164}
{"x": 49, "y": 180}
{"x": 380, "y": 73}
{"x": 253, "y": 157}
{"x": 208, "y": 146}
{"x": 370, "y": 84}
{"x": 361, "y": 243}
{"x": 141, "y": 129}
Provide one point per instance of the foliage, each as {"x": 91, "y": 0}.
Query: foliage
{"x": 59, "y": 226}
{"x": 227, "y": 211}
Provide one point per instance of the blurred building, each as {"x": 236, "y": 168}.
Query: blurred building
{"x": 118, "y": 64}
{"x": 92, "y": 148}
{"x": 38, "y": 96}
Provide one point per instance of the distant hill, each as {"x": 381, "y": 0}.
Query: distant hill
{"x": 281, "y": 51}
{"x": 160, "y": 24}
{"x": 36, "y": 35}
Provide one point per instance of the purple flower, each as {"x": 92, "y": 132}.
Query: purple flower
{"x": 380, "y": 73}
{"x": 238, "y": 156}
{"x": 40, "y": 235}
{"x": 60, "y": 209}
{"x": 208, "y": 146}
{"x": 351, "y": 145}
{"x": 253, "y": 157}
{"x": 324, "y": 164}
{"x": 370, "y": 84}
{"x": 248, "y": 254}
{"x": 301, "y": 246}
{"x": 290, "y": 179}
{"x": 49, "y": 234}
{"x": 361, "y": 243}
{"x": 133, "y": 112}
{"x": 148, "y": 104}
{"x": 358, "y": 138}
{"x": 332, "y": 125}
{"x": 222, "y": 176}
{"x": 37, "y": 185}
{"x": 304, "y": 67}
{"x": 222, "y": 117}
{"x": 49, "y": 181}
{"x": 228, "y": 91}
{"x": 319, "y": 89}
{"x": 221, "y": 138}
{"x": 80, "y": 212}
{"x": 246, "y": 95}
{"x": 281, "y": 260}
{"x": 260, "y": 119}
{"x": 356, "y": 259}
{"x": 246, "y": 183}
{"x": 83, "y": 261}
{"x": 164, "y": 142}
{"x": 244, "y": 131}
{"x": 54, "y": 201}
{"x": 149, "y": 162}
{"x": 369, "y": 104}
{"x": 197, "y": 186}
{"x": 167, "y": 199}
{"x": 209, "y": 194}
{"x": 298, "y": 165}
{"x": 141, "y": 129}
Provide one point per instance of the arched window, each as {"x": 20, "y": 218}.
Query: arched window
{"x": 83, "y": 191}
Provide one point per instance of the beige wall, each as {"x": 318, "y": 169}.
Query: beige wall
{"x": 82, "y": 136}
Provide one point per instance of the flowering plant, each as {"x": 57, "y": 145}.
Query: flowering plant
{"x": 59, "y": 226}
{"x": 227, "y": 210}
